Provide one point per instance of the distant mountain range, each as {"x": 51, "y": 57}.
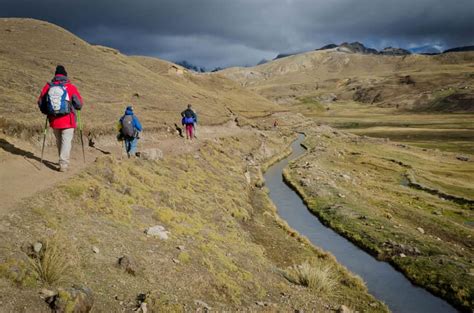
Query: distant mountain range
{"x": 357, "y": 47}
{"x": 354, "y": 47}
{"x": 427, "y": 49}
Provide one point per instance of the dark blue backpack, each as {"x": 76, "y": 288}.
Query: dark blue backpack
{"x": 57, "y": 100}
{"x": 188, "y": 120}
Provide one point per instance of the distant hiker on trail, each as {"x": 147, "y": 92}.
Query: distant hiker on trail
{"x": 130, "y": 129}
{"x": 59, "y": 100}
{"x": 189, "y": 118}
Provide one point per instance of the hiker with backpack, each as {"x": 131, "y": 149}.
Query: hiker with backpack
{"x": 188, "y": 120}
{"x": 130, "y": 129}
{"x": 59, "y": 100}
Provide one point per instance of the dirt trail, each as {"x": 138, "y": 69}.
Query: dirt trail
{"x": 22, "y": 174}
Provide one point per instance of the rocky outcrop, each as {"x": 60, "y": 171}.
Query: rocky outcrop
{"x": 76, "y": 299}
{"x": 327, "y": 47}
{"x": 394, "y": 51}
{"x": 157, "y": 231}
{"x": 356, "y": 47}
{"x": 151, "y": 154}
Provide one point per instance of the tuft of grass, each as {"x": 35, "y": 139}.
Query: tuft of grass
{"x": 319, "y": 277}
{"x": 50, "y": 265}
{"x": 184, "y": 257}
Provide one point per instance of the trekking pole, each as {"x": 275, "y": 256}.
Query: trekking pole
{"x": 45, "y": 131}
{"x": 80, "y": 134}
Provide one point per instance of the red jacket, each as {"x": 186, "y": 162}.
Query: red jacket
{"x": 68, "y": 120}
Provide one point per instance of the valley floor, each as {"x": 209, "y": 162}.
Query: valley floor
{"x": 406, "y": 205}
{"x": 442, "y": 131}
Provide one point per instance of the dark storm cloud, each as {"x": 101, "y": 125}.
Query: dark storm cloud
{"x": 221, "y": 33}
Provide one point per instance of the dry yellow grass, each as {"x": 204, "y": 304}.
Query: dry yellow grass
{"x": 204, "y": 200}
{"x": 108, "y": 81}
{"x": 50, "y": 266}
{"x": 318, "y": 276}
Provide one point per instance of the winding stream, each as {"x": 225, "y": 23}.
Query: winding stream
{"x": 383, "y": 281}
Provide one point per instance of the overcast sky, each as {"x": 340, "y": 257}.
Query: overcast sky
{"x": 222, "y": 33}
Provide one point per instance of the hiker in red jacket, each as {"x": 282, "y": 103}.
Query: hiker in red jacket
{"x": 58, "y": 100}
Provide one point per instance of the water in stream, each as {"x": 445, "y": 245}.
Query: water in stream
{"x": 382, "y": 280}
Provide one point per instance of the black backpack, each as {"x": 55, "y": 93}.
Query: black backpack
{"x": 128, "y": 131}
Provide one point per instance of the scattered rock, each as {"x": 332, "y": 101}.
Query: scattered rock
{"x": 421, "y": 230}
{"x": 95, "y": 249}
{"x": 305, "y": 182}
{"x": 77, "y": 299}
{"x": 346, "y": 177}
{"x": 157, "y": 231}
{"x": 402, "y": 255}
{"x": 462, "y": 158}
{"x": 344, "y": 309}
{"x": 202, "y": 304}
{"x": 180, "y": 247}
{"x": 127, "y": 264}
{"x": 37, "y": 246}
{"x": 248, "y": 178}
{"x": 176, "y": 261}
{"x": 119, "y": 298}
{"x": 260, "y": 303}
{"x": 340, "y": 195}
{"x": 401, "y": 249}
{"x": 47, "y": 293}
{"x": 328, "y": 98}
{"x": 373, "y": 304}
{"x": 388, "y": 215}
{"x": 151, "y": 154}
{"x": 437, "y": 213}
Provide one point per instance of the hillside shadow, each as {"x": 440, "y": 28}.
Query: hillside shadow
{"x": 10, "y": 148}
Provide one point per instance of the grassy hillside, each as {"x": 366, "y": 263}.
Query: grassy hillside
{"x": 226, "y": 246}
{"x": 108, "y": 81}
{"x": 410, "y": 82}
{"x": 423, "y": 100}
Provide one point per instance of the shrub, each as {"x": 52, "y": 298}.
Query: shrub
{"x": 316, "y": 276}
{"x": 50, "y": 265}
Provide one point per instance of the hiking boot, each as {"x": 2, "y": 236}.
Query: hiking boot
{"x": 63, "y": 169}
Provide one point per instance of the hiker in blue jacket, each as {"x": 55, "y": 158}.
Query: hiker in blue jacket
{"x": 130, "y": 129}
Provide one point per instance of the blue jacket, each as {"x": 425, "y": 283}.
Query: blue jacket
{"x": 136, "y": 122}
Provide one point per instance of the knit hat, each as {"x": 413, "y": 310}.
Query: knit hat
{"x": 60, "y": 70}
